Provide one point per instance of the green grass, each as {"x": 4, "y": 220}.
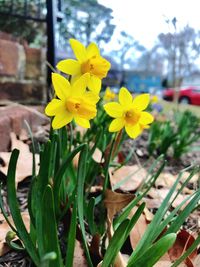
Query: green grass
{"x": 169, "y": 106}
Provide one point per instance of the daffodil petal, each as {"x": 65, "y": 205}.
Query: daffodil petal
{"x": 125, "y": 97}
{"x": 91, "y": 97}
{"x": 61, "y": 85}
{"x": 133, "y": 130}
{"x": 82, "y": 122}
{"x": 75, "y": 78}
{"x": 114, "y": 109}
{"x": 94, "y": 84}
{"x": 79, "y": 50}
{"x": 92, "y": 50}
{"x": 61, "y": 119}
{"x": 146, "y": 118}
{"x": 141, "y": 102}
{"x": 69, "y": 66}
{"x": 79, "y": 86}
{"x": 55, "y": 106}
{"x": 116, "y": 125}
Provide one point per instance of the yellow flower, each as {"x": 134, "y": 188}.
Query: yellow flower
{"x": 109, "y": 95}
{"x": 129, "y": 113}
{"x": 89, "y": 61}
{"x": 72, "y": 102}
{"x": 154, "y": 99}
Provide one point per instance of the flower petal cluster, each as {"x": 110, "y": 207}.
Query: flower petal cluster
{"x": 109, "y": 95}
{"x": 154, "y": 99}
{"x": 129, "y": 113}
{"x": 72, "y": 102}
{"x": 88, "y": 61}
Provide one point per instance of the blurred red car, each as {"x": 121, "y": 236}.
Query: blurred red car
{"x": 188, "y": 95}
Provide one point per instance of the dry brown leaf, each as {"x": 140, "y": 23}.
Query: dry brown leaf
{"x": 79, "y": 256}
{"x": 95, "y": 247}
{"x": 97, "y": 157}
{"x": 124, "y": 262}
{"x": 167, "y": 264}
{"x": 194, "y": 179}
{"x": 24, "y": 163}
{"x": 165, "y": 257}
{"x": 197, "y": 261}
{"x": 183, "y": 241}
{"x": 119, "y": 260}
{"x": 76, "y": 159}
{"x": 138, "y": 230}
{"x": 148, "y": 215}
{"x": 152, "y": 203}
{"x": 95, "y": 189}
{"x": 115, "y": 202}
{"x": 23, "y": 135}
{"x": 165, "y": 180}
{"x": 158, "y": 195}
{"x": 4, "y": 228}
{"x": 130, "y": 177}
{"x": 4, "y": 248}
{"x": 81, "y": 130}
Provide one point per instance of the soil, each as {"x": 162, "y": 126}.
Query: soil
{"x": 173, "y": 166}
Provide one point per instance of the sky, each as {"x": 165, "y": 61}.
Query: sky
{"x": 145, "y": 19}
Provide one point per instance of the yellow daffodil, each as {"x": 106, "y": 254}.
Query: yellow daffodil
{"x": 154, "y": 99}
{"x": 88, "y": 61}
{"x": 72, "y": 102}
{"x": 109, "y": 95}
{"x": 129, "y": 113}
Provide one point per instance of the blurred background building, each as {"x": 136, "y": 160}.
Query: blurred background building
{"x": 34, "y": 35}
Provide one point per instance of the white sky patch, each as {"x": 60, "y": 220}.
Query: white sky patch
{"x": 145, "y": 19}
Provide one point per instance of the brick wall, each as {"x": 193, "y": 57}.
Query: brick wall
{"x": 22, "y": 72}
{"x": 12, "y": 120}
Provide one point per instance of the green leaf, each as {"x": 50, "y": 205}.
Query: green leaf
{"x": 47, "y": 258}
{"x": 115, "y": 244}
{"x": 15, "y": 211}
{"x": 90, "y": 215}
{"x": 120, "y": 236}
{"x": 49, "y": 228}
{"x": 176, "y": 224}
{"x": 72, "y": 236}
{"x": 154, "y": 253}
{"x": 59, "y": 175}
{"x": 38, "y": 190}
{"x": 153, "y": 229}
{"x": 80, "y": 197}
{"x": 33, "y": 148}
{"x": 134, "y": 202}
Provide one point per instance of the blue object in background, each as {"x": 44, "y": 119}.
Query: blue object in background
{"x": 139, "y": 82}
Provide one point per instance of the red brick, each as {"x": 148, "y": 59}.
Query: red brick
{"x": 23, "y": 92}
{"x": 8, "y": 37}
{"x": 12, "y": 120}
{"x": 9, "y": 57}
{"x": 33, "y": 63}
{"x": 5, "y": 129}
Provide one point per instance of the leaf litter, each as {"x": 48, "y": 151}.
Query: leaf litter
{"x": 127, "y": 179}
